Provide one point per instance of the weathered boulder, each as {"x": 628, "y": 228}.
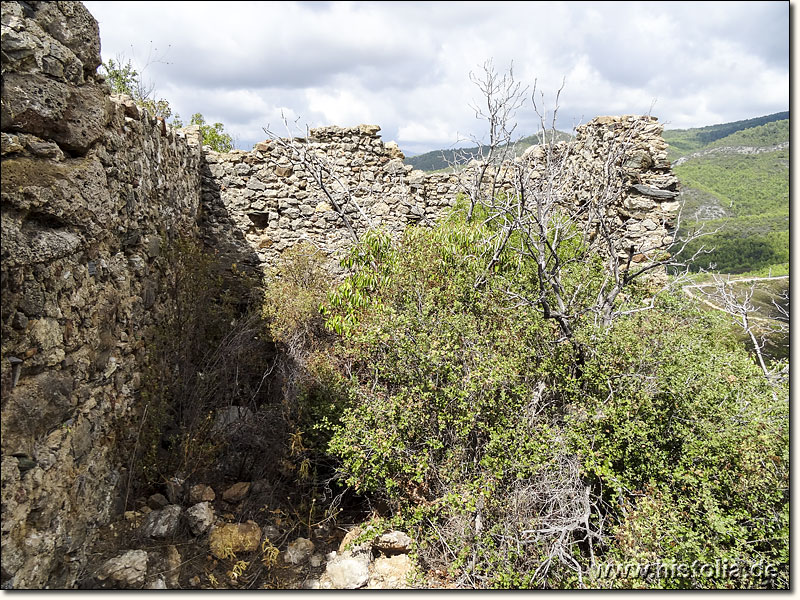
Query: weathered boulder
{"x": 346, "y": 572}
{"x": 201, "y": 493}
{"x": 199, "y": 518}
{"x": 126, "y": 570}
{"x": 299, "y": 551}
{"x": 173, "y": 563}
{"x": 73, "y": 25}
{"x": 369, "y": 130}
{"x": 394, "y": 150}
{"x": 157, "y": 584}
{"x": 161, "y": 524}
{"x": 315, "y": 560}
{"x": 236, "y": 492}
{"x": 28, "y": 48}
{"x": 391, "y": 572}
{"x": 157, "y": 501}
{"x": 73, "y": 117}
{"x": 347, "y": 542}
{"x": 392, "y": 543}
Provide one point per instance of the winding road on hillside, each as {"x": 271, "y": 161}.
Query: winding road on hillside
{"x": 687, "y": 290}
{"x": 731, "y": 150}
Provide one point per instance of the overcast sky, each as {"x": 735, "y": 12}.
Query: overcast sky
{"x": 405, "y": 65}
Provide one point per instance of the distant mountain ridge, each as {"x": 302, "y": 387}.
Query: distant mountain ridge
{"x": 442, "y": 159}
{"x": 737, "y": 184}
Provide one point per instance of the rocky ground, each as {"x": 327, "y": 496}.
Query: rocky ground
{"x": 208, "y": 538}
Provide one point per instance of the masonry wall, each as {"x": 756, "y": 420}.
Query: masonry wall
{"x": 275, "y": 202}
{"x": 92, "y": 191}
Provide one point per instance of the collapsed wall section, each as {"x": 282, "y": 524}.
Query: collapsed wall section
{"x": 271, "y": 197}
{"x": 93, "y": 189}
{"x": 274, "y": 200}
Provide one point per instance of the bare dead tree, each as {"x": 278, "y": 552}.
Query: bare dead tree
{"x": 501, "y": 96}
{"x": 533, "y": 211}
{"x": 739, "y": 305}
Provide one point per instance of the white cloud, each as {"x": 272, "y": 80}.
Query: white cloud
{"x": 405, "y": 66}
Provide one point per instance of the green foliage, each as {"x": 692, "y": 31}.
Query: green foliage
{"x": 213, "y": 135}
{"x": 765, "y": 135}
{"x": 368, "y": 263}
{"x": 124, "y": 79}
{"x": 750, "y": 184}
{"x": 736, "y": 252}
{"x": 689, "y": 448}
{"x": 685, "y": 141}
{"x": 295, "y": 302}
{"x": 754, "y": 190}
{"x": 476, "y": 424}
{"x": 749, "y": 193}
{"x": 293, "y": 298}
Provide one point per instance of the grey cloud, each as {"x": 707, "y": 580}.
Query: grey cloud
{"x": 407, "y": 63}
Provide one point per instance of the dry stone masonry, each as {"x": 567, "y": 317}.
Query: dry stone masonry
{"x": 271, "y": 198}
{"x": 93, "y": 191}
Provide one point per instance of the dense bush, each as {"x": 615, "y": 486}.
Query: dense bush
{"x": 689, "y": 448}
{"x": 519, "y": 458}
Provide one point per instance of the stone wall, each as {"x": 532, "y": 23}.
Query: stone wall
{"x": 271, "y": 198}
{"x": 92, "y": 190}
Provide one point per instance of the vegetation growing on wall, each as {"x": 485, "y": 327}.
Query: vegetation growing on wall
{"x": 123, "y": 78}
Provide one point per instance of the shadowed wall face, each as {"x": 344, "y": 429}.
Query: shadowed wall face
{"x": 91, "y": 194}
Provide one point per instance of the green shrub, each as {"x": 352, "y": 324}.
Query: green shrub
{"x": 677, "y": 426}
{"x": 517, "y": 457}
{"x": 516, "y": 462}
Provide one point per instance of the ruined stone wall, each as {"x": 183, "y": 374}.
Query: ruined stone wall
{"x": 92, "y": 190}
{"x": 273, "y": 201}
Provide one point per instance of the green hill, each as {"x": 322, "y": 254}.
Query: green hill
{"x": 765, "y": 135}
{"x": 686, "y": 141}
{"x": 743, "y": 195}
{"x": 436, "y": 160}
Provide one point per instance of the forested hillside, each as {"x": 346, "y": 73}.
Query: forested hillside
{"x": 735, "y": 181}
{"x": 686, "y": 141}
{"x": 436, "y": 160}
